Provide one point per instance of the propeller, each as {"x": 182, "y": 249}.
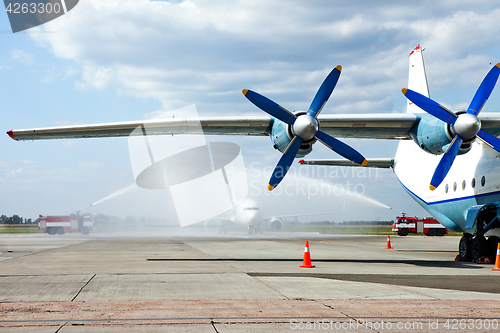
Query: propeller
{"x": 305, "y": 127}
{"x": 466, "y": 126}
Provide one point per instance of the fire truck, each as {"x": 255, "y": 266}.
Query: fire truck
{"x": 63, "y": 224}
{"x": 426, "y": 225}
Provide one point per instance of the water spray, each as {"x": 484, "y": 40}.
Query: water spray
{"x": 112, "y": 195}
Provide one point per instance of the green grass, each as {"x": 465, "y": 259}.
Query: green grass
{"x": 19, "y": 229}
{"x": 341, "y": 229}
{"x": 348, "y": 229}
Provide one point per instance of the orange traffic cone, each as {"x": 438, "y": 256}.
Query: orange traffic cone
{"x": 388, "y": 242}
{"x": 307, "y": 258}
{"x": 497, "y": 261}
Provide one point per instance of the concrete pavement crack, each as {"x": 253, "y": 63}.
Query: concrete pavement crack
{"x": 79, "y": 291}
{"x": 345, "y": 314}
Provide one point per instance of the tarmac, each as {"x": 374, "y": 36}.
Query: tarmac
{"x": 238, "y": 283}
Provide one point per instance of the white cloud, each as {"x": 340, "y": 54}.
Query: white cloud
{"x": 204, "y": 52}
{"x": 23, "y": 57}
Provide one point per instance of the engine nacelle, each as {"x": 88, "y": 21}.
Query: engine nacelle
{"x": 275, "y": 224}
{"x": 281, "y": 136}
{"x": 434, "y": 136}
{"x": 431, "y": 135}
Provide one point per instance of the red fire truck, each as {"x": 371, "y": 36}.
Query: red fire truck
{"x": 426, "y": 225}
{"x": 63, "y": 224}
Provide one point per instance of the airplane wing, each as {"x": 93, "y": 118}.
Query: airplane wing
{"x": 374, "y": 126}
{"x": 214, "y": 125}
{"x": 369, "y": 126}
{"x": 372, "y": 162}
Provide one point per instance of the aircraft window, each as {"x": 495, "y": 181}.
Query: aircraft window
{"x": 473, "y": 183}
{"x": 463, "y": 185}
{"x": 483, "y": 180}
{"x": 454, "y": 186}
{"x": 446, "y": 189}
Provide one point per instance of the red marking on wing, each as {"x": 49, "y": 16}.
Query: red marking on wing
{"x": 11, "y": 135}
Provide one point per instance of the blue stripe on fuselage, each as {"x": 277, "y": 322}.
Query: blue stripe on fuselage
{"x": 451, "y": 212}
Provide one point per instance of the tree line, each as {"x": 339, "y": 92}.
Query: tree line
{"x": 15, "y": 219}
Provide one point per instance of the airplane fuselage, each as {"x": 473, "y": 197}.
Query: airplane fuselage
{"x": 248, "y": 214}
{"x": 473, "y": 180}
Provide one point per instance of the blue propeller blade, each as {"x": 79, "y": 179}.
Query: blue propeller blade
{"x": 324, "y": 92}
{"x": 341, "y": 148}
{"x": 491, "y": 140}
{"x": 445, "y": 163}
{"x": 270, "y": 107}
{"x": 428, "y": 105}
{"x": 484, "y": 90}
{"x": 284, "y": 163}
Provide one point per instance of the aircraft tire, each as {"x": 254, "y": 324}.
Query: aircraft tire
{"x": 479, "y": 248}
{"x": 465, "y": 248}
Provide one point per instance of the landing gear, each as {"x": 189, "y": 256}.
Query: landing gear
{"x": 255, "y": 230}
{"x": 471, "y": 249}
{"x": 465, "y": 247}
{"x": 479, "y": 248}
{"x": 487, "y": 218}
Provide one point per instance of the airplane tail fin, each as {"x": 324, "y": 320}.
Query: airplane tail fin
{"x": 417, "y": 80}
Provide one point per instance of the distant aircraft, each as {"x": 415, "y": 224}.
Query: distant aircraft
{"x": 464, "y": 191}
{"x": 249, "y": 215}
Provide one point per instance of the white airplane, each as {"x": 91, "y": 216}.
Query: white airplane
{"x": 437, "y": 146}
{"x": 249, "y": 215}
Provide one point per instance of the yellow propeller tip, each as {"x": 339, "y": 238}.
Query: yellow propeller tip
{"x": 339, "y": 68}
{"x": 404, "y": 91}
{"x": 365, "y": 163}
{"x": 244, "y": 91}
{"x": 270, "y": 187}
{"x": 432, "y": 188}
{"x": 498, "y": 65}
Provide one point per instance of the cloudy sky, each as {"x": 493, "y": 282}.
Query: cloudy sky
{"x": 120, "y": 60}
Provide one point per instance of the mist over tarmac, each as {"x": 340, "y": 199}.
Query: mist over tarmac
{"x": 144, "y": 212}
